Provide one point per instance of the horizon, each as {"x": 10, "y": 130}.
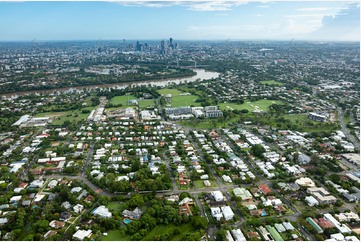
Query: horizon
{"x": 39, "y": 41}
{"x": 195, "y": 21}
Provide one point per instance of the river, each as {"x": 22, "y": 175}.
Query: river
{"x": 201, "y": 75}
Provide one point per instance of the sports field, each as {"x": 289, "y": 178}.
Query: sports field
{"x": 123, "y": 100}
{"x": 261, "y": 105}
{"x": 179, "y": 100}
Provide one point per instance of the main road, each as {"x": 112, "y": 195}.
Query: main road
{"x": 344, "y": 129}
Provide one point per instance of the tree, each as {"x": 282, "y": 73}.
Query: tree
{"x": 258, "y": 150}
{"x": 200, "y": 222}
{"x": 192, "y": 236}
{"x": 136, "y": 236}
{"x": 136, "y": 201}
{"x": 221, "y": 235}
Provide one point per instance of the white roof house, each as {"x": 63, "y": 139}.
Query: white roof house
{"x": 78, "y": 208}
{"x": 216, "y": 213}
{"x": 311, "y": 201}
{"x": 53, "y": 184}
{"x": 102, "y": 211}
{"x": 341, "y": 227}
{"x": 36, "y": 183}
{"x": 238, "y": 235}
{"x": 227, "y": 212}
{"x": 76, "y": 189}
{"x": 3, "y": 221}
{"x": 81, "y": 234}
{"x": 288, "y": 226}
{"x": 66, "y": 205}
{"x": 15, "y": 199}
{"x": 218, "y": 196}
{"x": 305, "y": 182}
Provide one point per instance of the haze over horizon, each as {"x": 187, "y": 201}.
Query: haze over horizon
{"x": 217, "y": 20}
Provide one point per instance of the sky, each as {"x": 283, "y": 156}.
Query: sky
{"x": 182, "y": 20}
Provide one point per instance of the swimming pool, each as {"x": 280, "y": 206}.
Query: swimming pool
{"x": 264, "y": 213}
{"x": 127, "y": 221}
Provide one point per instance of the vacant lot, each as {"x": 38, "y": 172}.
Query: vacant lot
{"x": 72, "y": 116}
{"x": 145, "y": 103}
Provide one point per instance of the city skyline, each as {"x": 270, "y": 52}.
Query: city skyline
{"x": 182, "y": 20}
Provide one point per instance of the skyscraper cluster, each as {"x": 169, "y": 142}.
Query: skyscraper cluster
{"x": 163, "y": 49}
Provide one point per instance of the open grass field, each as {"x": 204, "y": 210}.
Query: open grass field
{"x": 309, "y": 125}
{"x": 123, "y": 100}
{"x": 272, "y": 82}
{"x": 165, "y": 91}
{"x": 261, "y": 105}
{"x": 60, "y": 117}
{"x": 210, "y": 123}
{"x": 188, "y": 100}
{"x": 119, "y": 235}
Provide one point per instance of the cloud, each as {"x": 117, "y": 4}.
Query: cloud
{"x": 212, "y": 5}
{"x": 262, "y": 6}
{"x": 315, "y": 9}
{"x": 344, "y": 25}
{"x": 190, "y": 5}
{"x": 150, "y": 4}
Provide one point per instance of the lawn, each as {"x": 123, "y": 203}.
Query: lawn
{"x": 261, "y": 105}
{"x": 116, "y": 235}
{"x": 272, "y": 82}
{"x": 115, "y": 207}
{"x": 200, "y": 183}
{"x": 123, "y": 100}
